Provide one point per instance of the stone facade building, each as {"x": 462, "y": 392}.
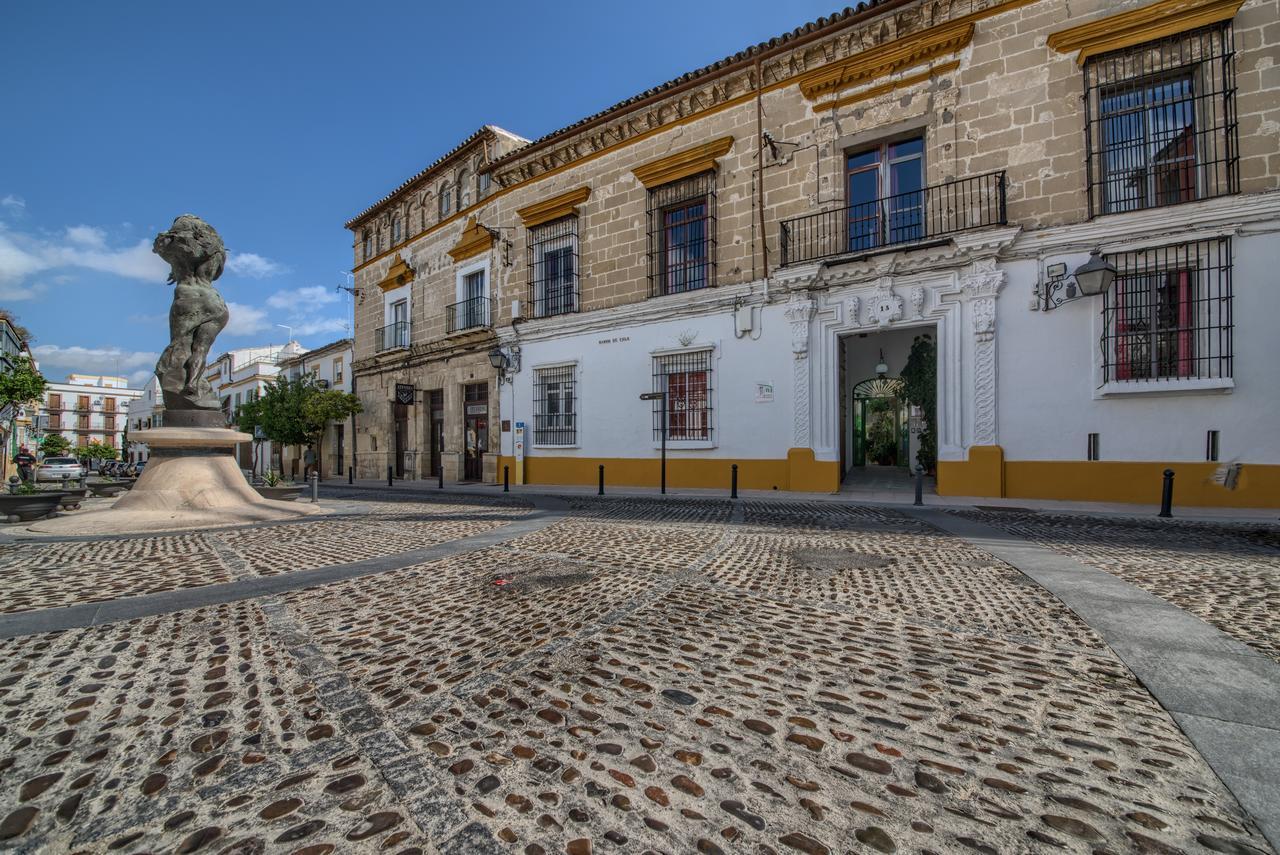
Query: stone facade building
{"x": 763, "y": 241}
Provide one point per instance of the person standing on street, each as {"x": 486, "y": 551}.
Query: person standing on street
{"x": 26, "y": 463}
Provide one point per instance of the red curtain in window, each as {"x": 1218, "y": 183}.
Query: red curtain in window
{"x": 687, "y": 405}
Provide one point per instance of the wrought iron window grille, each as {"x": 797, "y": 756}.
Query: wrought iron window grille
{"x": 393, "y": 336}
{"x": 1168, "y": 315}
{"x": 553, "y": 268}
{"x": 473, "y": 313}
{"x": 1160, "y": 122}
{"x": 685, "y": 379}
{"x": 555, "y": 406}
{"x": 682, "y": 235}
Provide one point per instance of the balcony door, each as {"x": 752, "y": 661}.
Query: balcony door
{"x": 885, "y": 186}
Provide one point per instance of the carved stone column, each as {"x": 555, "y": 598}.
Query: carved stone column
{"x": 799, "y": 312}
{"x": 980, "y": 288}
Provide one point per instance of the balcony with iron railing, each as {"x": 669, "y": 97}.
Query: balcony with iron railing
{"x": 393, "y": 336}
{"x": 475, "y": 313}
{"x": 923, "y": 216}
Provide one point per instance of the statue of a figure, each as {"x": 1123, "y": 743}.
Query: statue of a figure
{"x": 196, "y": 257}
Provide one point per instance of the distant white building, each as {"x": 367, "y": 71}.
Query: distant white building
{"x": 145, "y": 413}
{"x": 90, "y": 407}
{"x": 240, "y": 376}
{"x": 330, "y": 367}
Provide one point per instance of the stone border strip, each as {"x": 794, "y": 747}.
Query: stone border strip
{"x": 1222, "y": 693}
{"x": 547, "y": 511}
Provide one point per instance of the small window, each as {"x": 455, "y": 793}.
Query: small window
{"x": 464, "y": 189}
{"x": 337, "y": 372}
{"x": 553, "y": 268}
{"x": 1211, "y": 447}
{"x": 682, "y": 240}
{"x": 395, "y": 231}
{"x": 1161, "y": 122}
{"x": 484, "y": 182}
{"x": 554, "y": 406}
{"x": 686, "y": 380}
{"x": 446, "y": 200}
{"x": 1092, "y": 453}
{"x": 1168, "y": 314}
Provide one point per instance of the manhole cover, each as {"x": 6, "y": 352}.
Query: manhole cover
{"x": 824, "y": 562}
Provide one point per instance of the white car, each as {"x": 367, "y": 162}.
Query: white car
{"x": 54, "y": 468}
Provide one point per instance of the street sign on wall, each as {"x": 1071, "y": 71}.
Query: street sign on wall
{"x": 405, "y": 393}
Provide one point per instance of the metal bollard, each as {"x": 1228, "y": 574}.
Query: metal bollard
{"x": 315, "y": 487}
{"x": 389, "y": 476}
{"x": 440, "y": 475}
{"x": 733, "y": 482}
{"x": 351, "y": 474}
{"x": 600, "y": 492}
{"x": 506, "y": 482}
{"x": 1166, "y": 495}
{"x": 919, "y": 486}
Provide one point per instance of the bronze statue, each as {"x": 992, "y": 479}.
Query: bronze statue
{"x": 196, "y": 257}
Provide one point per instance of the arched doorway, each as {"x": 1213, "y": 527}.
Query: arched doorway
{"x": 881, "y": 424}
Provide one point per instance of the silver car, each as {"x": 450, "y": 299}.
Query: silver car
{"x": 54, "y": 468}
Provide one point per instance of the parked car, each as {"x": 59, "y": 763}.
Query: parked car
{"x": 138, "y": 467}
{"x": 54, "y": 468}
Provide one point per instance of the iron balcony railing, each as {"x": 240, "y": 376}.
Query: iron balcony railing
{"x": 919, "y": 216}
{"x": 393, "y": 336}
{"x": 469, "y": 314}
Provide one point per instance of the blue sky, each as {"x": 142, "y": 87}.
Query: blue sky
{"x": 276, "y": 122}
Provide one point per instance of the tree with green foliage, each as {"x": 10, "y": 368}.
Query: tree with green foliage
{"x": 920, "y": 377}
{"x": 20, "y": 386}
{"x": 54, "y": 445}
{"x": 296, "y": 412}
{"x": 96, "y": 450}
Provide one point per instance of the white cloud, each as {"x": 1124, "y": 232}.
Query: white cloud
{"x": 316, "y": 326}
{"x": 253, "y": 265}
{"x": 12, "y": 292}
{"x": 22, "y": 255}
{"x": 302, "y": 299}
{"x": 246, "y": 320}
{"x": 56, "y": 361}
{"x": 12, "y": 204}
{"x": 87, "y": 236}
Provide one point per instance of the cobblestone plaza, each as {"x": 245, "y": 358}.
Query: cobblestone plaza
{"x": 455, "y": 673}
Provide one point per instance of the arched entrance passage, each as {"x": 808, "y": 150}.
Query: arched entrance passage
{"x": 881, "y": 426}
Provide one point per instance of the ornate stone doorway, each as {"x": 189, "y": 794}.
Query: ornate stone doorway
{"x": 880, "y": 424}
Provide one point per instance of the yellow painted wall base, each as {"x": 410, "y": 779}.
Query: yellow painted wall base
{"x": 981, "y": 475}
{"x": 798, "y": 472}
{"x": 987, "y": 473}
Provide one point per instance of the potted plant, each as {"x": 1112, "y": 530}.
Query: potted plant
{"x": 275, "y": 488}
{"x": 25, "y": 503}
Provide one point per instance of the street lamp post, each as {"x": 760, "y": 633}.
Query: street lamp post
{"x": 661, "y": 396}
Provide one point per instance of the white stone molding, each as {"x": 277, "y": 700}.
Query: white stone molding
{"x": 884, "y": 307}
{"x": 799, "y": 312}
{"x": 979, "y": 288}
{"x": 917, "y": 302}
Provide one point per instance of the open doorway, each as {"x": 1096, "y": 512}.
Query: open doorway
{"x": 888, "y": 410}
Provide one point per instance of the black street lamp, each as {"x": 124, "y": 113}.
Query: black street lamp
{"x": 1093, "y": 277}
{"x": 661, "y": 396}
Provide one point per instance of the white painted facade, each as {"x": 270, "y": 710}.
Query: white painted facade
{"x": 241, "y": 375}
{"x": 145, "y": 413}
{"x": 89, "y": 408}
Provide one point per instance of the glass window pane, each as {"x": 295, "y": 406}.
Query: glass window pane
{"x": 862, "y": 159}
{"x": 906, "y": 148}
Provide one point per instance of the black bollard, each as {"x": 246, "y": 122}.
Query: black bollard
{"x": 440, "y": 475}
{"x": 600, "y": 492}
{"x": 506, "y": 484}
{"x": 919, "y": 485}
{"x": 315, "y": 487}
{"x": 1166, "y": 495}
{"x": 733, "y": 482}
{"x": 388, "y": 476}
{"x": 351, "y": 474}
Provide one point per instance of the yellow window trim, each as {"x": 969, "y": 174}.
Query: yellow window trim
{"x": 1165, "y": 18}
{"x": 878, "y": 62}
{"x": 474, "y": 240}
{"x": 553, "y": 208}
{"x": 875, "y": 91}
{"x": 398, "y": 274}
{"x": 682, "y": 164}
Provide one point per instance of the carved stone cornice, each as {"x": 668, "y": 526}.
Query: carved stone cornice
{"x": 553, "y": 208}
{"x": 901, "y": 53}
{"x": 682, "y": 164}
{"x": 474, "y": 240}
{"x": 1165, "y": 18}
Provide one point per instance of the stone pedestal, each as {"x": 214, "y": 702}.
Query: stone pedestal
{"x": 191, "y": 480}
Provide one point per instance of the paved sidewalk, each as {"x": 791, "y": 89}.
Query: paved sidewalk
{"x": 848, "y": 497}
{"x": 1224, "y": 695}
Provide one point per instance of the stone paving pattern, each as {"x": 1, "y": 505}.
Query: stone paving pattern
{"x": 640, "y": 676}
{"x": 1227, "y": 575}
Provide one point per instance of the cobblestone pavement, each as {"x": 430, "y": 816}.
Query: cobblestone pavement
{"x": 1226, "y": 575}
{"x": 640, "y": 676}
